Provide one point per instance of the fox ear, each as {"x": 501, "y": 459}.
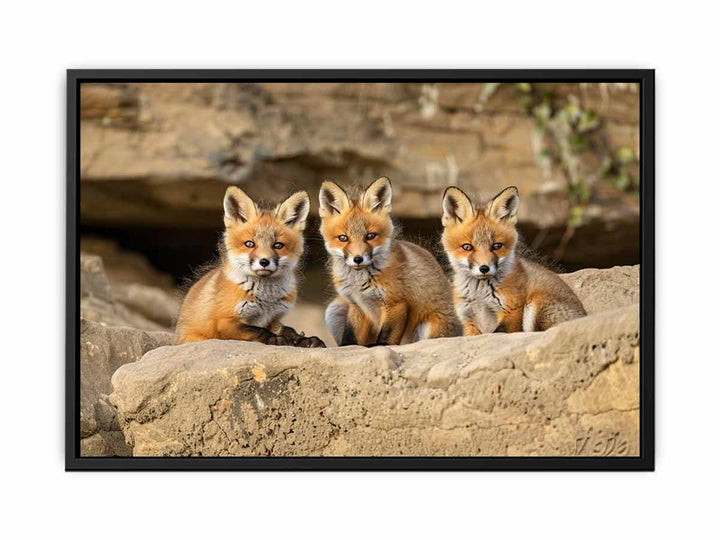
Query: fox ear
{"x": 457, "y": 207}
{"x": 333, "y": 199}
{"x": 239, "y": 208}
{"x": 378, "y": 197}
{"x": 294, "y": 210}
{"x": 504, "y": 206}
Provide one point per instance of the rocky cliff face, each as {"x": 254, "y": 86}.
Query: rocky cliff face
{"x": 120, "y": 321}
{"x": 570, "y": 391}
{"x": 162, "y": 155}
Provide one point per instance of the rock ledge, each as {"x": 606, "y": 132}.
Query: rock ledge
{"x": 573, "y": 390}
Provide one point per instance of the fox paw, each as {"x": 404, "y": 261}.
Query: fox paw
{"x": 310, "y": 343}
{"x": 279, "y": 341}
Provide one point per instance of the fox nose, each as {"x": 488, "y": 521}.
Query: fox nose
{"x": 484, "y": 269}
{"x": 357, "y": 259}
{"x": 264, "y": 262}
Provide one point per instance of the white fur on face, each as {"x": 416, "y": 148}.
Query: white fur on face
{"x": 350, "y": 261}
{"x": 459, "y": 264}
{"x": 240, "y": 267}
{"x": 243, "y": 268}
{"x": 255, "y": 265}
{"x": 381, "y": 255}
{"x": 478, "y": 274}
{"x": 287, "y": 263}
{"x": 497, "y": 272}
{"x": 505, "y": 266}
{"x": 334, "y": 252}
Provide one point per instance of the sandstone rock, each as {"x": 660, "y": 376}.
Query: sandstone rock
{"x": 602, "y": 289}
{"x": 569, "y": 391}
{"x": 102, "y": 351}
{"x": 123, "y": 267}
{"x": 162, "y": 155}
{"x": 134, "y": 305}
{"x": 93, "y": 281}
{"x": 115, "y": 314}
{"x": 151, "y": 302}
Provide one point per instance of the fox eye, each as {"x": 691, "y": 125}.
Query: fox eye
{"x": 467, "y": 247}
{"x": 343, "y": 238}
{"x": 496, "y": 246}
{"x": 370, "y": 236}
{"x": 249, "y": 243}
{"x": 278, "y": 245}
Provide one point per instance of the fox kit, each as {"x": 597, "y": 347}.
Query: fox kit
{"x": 494, "y": 288}
{"x": 254, "y": 286}
{"x": 388, "y": 290}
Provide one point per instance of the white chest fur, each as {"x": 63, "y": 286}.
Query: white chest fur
{"x": 268, "y": 299}
{"x": 480, "y": 302}
{"x": 358, "y": 287}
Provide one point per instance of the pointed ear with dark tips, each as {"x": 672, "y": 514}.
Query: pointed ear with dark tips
{"x": 504, "y": 206}
{"x": 457, "y": 207}
{"x": 333, "y": 199}
{"x": 239, "y": 208}
{"x": 294, "y": 210}
{"x": 378, "y": 197}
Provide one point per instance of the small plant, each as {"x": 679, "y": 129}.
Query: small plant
{"x": 572, "y": 138}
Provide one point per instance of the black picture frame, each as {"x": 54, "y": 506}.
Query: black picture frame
{"x": 644, "y": 462}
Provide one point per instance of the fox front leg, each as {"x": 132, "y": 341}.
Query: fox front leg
{"x": 485, "y": 319}
{"x": 232, "y": 329}
{"x": 393, "y": 325}
{"x": 359, "y": 329}
{"x": 348, "y": 324}
{"x": 477, "y": 319}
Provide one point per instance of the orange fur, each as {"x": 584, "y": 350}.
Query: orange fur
{"x": 246, "y": 296}
{"x": 389, "y": 290}
{"x": 494, "y": 288}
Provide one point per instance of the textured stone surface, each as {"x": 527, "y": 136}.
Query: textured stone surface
{"x": 162, "y": 155}
{"x": 102, "y": 350}
{"x": 466, "y": 395}
{"x": 124, "y": 304}
{"x": 569, "y": 391}
{"x": 93, "y": 281}
{"x": 123, "y": 267}
{"x": 606, "y": 288}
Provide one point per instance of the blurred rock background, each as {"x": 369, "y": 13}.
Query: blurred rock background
{"x": 156, "y": 160}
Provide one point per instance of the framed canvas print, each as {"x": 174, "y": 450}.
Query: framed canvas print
{"x": 366, "y": 269}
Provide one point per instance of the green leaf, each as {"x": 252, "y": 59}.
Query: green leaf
{"x": 625, "y": 155}
{"x": 543, "y": 111}
{"x": 527, "y": 104}
{"x": 572, "y": 112}
{"x": 606, "y": 167}
{"x": 576, "y": 216}
{"x": 588, "y": 121}
{"x": 524, "y": 87}
{"x": 488, "y": 90}
{"x": 579, "y": 142}
{"x": 579, "y": 192}
{"x": 622, "y": 181}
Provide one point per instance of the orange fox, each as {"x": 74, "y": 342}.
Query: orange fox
{"x": 389, "y": 290}
{"x": 494, "y": 288}
{"x": 254, "y": 286}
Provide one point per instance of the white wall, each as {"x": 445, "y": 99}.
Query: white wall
{"x": 39, "y": 42}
